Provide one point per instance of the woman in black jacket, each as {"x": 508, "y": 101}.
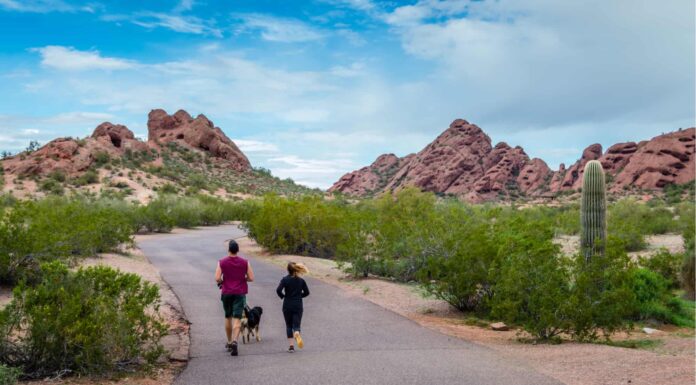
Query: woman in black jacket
{"x": 291, "y": 290}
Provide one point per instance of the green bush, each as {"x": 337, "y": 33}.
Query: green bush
{"x": 601, "y": 299}
{"x": 533, "y": 291}
{"x": 9, "y": 375}
{"x": 305, "y": 226}
{"x": 59, "y": 228}
{"x": 687, "y": 275}
{"x": 87, "y": 178}
{"x": 656, "y": 302}
{"x": 93, "y": 321}
{"x": 666, "y": 264}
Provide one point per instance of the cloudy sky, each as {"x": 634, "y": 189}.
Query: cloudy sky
{"x": 314, "y": 89}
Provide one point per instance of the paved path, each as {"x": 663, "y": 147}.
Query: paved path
{"x": 348, "y": 340}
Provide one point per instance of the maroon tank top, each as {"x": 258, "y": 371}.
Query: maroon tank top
{"x": 234, "y": 271}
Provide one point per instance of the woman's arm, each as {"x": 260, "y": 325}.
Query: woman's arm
{"x": 218, "y": 274}
{"x": 305, "y": 289}
{"x": 250, "y": 273}
{"x": 280, "y": 288}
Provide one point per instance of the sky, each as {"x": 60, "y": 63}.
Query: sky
{"x": 314, "y": 89}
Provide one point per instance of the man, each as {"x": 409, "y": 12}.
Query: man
{"x": 232, "y": 274}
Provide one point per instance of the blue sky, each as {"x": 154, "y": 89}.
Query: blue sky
{"x": 314, "y": 89}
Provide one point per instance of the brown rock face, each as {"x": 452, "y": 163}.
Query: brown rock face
{"x": 451, "y": 164}
{"x": 572, "y": 179}
{"x": 665, "y": 159}
{"x": 534, "y": 177}
{"x": 198, "y": 133}
{"x": 118, "y": 137}
{"x": 75, "y": 156}
{"x": 462, "y": 162}
{"x": 369, "y": 179}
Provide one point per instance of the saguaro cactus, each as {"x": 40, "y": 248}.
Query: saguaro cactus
{"x": 593, "y": 210}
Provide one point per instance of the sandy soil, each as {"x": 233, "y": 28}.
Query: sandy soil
{"x": 176, "y": 343}
{"x": 571, "y": 363}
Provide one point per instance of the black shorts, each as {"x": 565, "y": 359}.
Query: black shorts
{"x": 233, "y": 304}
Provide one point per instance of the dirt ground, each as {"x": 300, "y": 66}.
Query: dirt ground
{"x": 671, "y": 362}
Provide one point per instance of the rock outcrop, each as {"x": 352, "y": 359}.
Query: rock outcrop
{"x": 462, "y": 162}
{"x": 665, "y": 159}
{"x": 73, "y": 156}
{"x": 198, "y": 133}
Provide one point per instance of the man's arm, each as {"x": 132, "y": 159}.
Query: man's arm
{"x": 218, "y": 274}
{"x": 250, "y": 273}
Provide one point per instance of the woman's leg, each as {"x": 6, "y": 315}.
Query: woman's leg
{"x": 297, "y": 320}
{"x": 296, "y": 326}
{"x": 288, "y": 315}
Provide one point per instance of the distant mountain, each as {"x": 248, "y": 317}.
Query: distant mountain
{"x": 462, "y": 161}
{"x": 182, "y": 153}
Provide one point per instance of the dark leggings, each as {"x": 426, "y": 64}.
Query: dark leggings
{"x": 293, "y": 319}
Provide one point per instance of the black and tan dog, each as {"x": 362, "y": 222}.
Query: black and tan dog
{"x": 250, "y": 324}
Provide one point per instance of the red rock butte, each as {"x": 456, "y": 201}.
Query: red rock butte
{"x": 463, "y": 162}
{"x": 74, "y": 156}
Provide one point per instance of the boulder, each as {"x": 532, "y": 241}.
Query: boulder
{"x": 499, "y": 327}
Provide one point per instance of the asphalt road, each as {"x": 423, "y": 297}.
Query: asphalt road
{"x": 348, "y": 340}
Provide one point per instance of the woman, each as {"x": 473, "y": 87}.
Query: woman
{"x": 291, "y": 290}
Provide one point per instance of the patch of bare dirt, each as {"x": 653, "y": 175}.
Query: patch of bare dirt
{"x": 672, "y": 362}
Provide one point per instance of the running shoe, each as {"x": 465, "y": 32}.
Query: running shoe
{"x": 298, "y": 338}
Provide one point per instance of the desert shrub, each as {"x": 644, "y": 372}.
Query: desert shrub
{"x": 59, "y": 228}
{"x": 51, "y": 186}
{"x": 666, "y": 264}
{"x": 533, "y": 291}
{"x": 462, "y": 279}
{"x": 168, "y": 188}
{"x": 87, "y": 178}
{"x": 601, "y": 299}
{"x": 93, "y": 321}
{"x": 687, "y": 275}
{"x": 58, "y": 176}
{"x": 102, "y": 158}
{"x": 9, "y": 375}
{"x": 304, "y": 226}
{"x": 656, "y": 302}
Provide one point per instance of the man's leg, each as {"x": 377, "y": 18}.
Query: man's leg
{"x": 228, "y": 329}
{"x": 236, "y": 327}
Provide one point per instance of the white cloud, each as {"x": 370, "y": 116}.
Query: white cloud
{"x": 184, "y": 5}
{"x": 68, "y": 58}
{"x": 256, "y": 146}
{"x": 310, "y": 172}
{"x": 279, "y": 29}
{"x": 37, "y": 6}
{"x": 174, "y": 22}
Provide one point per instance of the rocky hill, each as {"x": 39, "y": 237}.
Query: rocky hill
{"x": 182, "y": 154}
{"x": 462, "y": 161}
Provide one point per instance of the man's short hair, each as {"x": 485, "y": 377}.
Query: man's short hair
{"x": 233, "y": 247}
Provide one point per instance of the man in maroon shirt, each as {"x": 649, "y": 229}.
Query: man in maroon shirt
{"x": 232, "y": 274}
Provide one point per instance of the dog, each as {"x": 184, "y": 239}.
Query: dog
{"x": 251, "y": 320}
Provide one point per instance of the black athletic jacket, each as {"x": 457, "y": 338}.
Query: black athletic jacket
{"x": 291, "y": 290}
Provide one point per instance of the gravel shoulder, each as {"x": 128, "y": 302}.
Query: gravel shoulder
{"x": 671, "y": 362}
